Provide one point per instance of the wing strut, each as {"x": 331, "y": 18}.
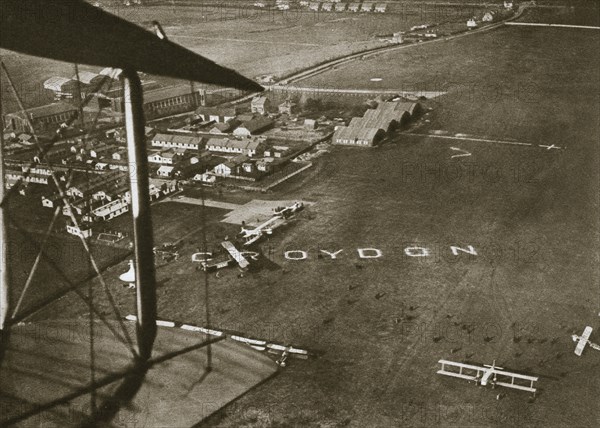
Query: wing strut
{"x": 140, "y": 209}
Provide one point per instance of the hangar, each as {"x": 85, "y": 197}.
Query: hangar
{"x": 357, "y": 136}
{"x": 372, "y": 127}
{"x": 61, "y": 86}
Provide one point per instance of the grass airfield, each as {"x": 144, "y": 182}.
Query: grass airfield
{"x": 530, "y": 211}
{"x": 379, "y": 326}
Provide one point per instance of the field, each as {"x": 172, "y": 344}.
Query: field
{"x": 530, "y": 212}
{"x": 378, "y": 326}
{"x": 254, "y": 42}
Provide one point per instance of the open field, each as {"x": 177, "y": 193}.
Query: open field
{"x": 379, "y": 326}
{"x": 254, "y": 42}
{"x": 456, "y": 65}
{"x": 587, "y": 13}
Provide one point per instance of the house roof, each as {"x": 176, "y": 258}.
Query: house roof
{"x": 178, "y": 139}
{"x": 352, "y": 133}
{"x": 218, "y": 111}
{"x": 235, "y": 161}
{"x": 245, "y": 144}
{"x": 246, "y": 117}
{"x": 101, "y": 148}
{"x": 259, "y": 100}
{"x": 47, "y": 110}
{"x": 166, "y": 93}
{"x": 85, "y": 77}
{"x": 56, "y": 83}
{"x": 217, "y": 142}
{"x": 257, "y": 124}
{"x": 230, "y": 125}
{"x": 240, "y": 159}
{"x": 166, "y": 168}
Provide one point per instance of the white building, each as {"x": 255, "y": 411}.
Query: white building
{"x": 259, "y": 104}
{"x": 205, "y": 178}
{"x": 112, "y": 209}
{"x": 246, "y": 147}
{"x": 74, "y": 230}
{"x": 177, "y": 141}
{"x": 167, "y": 157}
{"x": 165, "y": 171}
{"x": 380, "y": 7}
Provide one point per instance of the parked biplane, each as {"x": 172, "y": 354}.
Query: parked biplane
{"x": 583, "y": 340}
{"x": 481, "y": 375}
{"x": 286, "y": 351}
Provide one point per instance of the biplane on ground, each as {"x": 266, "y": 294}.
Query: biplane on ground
{"x": 583, "y": 340}
{"x": 481, "y": 375}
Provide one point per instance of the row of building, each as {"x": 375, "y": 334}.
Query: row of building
{"x": 336, "y": 6}
{"x": 223, "y": 157}
{"x": 157, "y": 103}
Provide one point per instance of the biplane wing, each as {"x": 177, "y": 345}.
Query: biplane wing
{"x": 513, "y": 376}
{"x": 75, "y": 31}
{"x": 287, "y": 350}
{"x": 290, "y": 349}
{"x": 583, "y": 340}
{"x": 469, "y": 375}
{"x": 237, "y": 256}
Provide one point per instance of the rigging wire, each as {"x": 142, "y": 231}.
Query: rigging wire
{"x": 93, "y": 409}
{"x": 36, "y": 262}
{"x": 33, "y": 270}
{"x": 66, "y": 202}
{"x": 50, "y": 145}
{"x": 72, "y": 286}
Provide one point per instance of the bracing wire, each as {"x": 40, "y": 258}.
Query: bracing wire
{"x": 72, "y": 286}
{"x": 90, "y": 283}
{"x": 42, "y": 153}
{"x": 66, "y": 202}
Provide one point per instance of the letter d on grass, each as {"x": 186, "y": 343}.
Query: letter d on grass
{"x": 369, "y": 253}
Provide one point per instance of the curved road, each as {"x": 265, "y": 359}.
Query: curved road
{"x": 323, "y": 67}
{"x": 320, "y": 68}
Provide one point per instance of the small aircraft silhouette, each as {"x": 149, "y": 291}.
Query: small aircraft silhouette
{"x": 584, "y": 340}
